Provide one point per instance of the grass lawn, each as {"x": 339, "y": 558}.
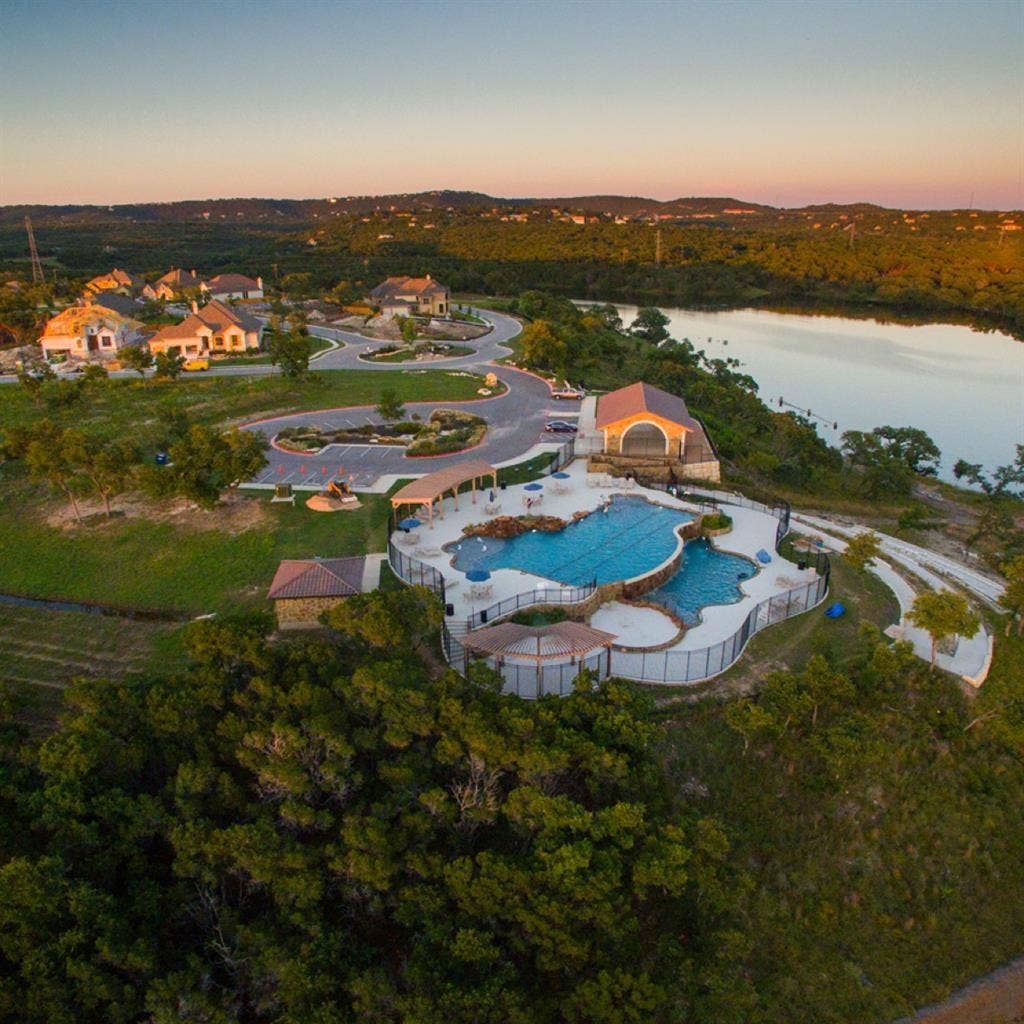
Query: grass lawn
{"x": 316, "y": 345}
{"x": 42, "y": 652}
{"x": 199, "y": 562}
{"x": 125, "y": 408}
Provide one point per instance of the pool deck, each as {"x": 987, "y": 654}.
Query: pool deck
{"x": 752, "y": 530}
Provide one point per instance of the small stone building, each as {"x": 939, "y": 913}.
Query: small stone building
{"x": 305, "y": 588}
{"x": 642, "y": 424}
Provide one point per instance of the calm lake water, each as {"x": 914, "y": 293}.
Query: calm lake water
{"x": 964, "y": 388}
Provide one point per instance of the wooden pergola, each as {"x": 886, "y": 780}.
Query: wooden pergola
{"x": 539, "y": 644}
{"x": 435, "y": 486}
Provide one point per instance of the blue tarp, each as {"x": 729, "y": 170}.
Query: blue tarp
{"x": 835, "y": 610}
{"x": 763, "y": 557}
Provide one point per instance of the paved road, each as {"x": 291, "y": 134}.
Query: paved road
{"x": 515, "y": 420}
{"x": 919, "y": 560}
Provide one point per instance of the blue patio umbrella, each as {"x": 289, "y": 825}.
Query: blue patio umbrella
{"x": 560, "y": 475}
{"x": 410, "y": 524}
{"x": 534, "y": 487}
{"x": 477, "y": 575}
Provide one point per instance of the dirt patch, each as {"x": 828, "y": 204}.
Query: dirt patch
{"x": 997, "y": 998}
{"x": 234, "y": 514}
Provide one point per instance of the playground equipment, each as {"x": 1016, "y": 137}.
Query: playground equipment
{"x": 337, "y": 496}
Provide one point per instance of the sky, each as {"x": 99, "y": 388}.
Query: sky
{"x": 910, "y": 104}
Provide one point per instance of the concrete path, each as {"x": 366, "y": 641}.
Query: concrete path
{"x": 971, "y": 657}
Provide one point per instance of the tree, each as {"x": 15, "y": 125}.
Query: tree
{"x": 285, "y": 831}
{"x": 244, "y": 455}
{"x": 942, "y": 614}
{"x": 33, "y": 380}
{"x": 390, "y": 406}
{"x": 168, "y": 365}
{"x": 650, "y": 324}
{"x": 205, "y": 463}
{"x": 1013, "y": 596}
{"x": 407, "y": 325}
{"x": 911, "y": 446}
{"x": 290, "y": 350}
{"x": 137, "y": 357}
{"x": 862, "y": 549}
{"x": 542, "y": 346}
{"x": 48, "y": 458}
{"x": 106, "y": 465}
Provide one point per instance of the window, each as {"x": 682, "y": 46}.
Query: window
{"x": 106, "y": 341}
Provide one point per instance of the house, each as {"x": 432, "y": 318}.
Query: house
{"x": 405, "y": 295}
{"x": 117, "y": 303}
{"x": 642, "y": 423}
{"x": 214, "y": 328}
{"x": 173, "y": 283}
{"x": 305, "y": 588}
{"x": 122, "y": 281}
{"x": 90, "y": 332}
{"x": 232, "y": 286}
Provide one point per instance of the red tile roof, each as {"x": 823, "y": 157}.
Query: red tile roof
{"x": 317, "y": 577}
{"x": 641, "y": 398}
{"x": 395, "y": 286}
{"x": 224, "y": 283}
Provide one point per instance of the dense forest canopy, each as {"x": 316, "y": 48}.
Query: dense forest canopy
{"x": 962, "y": 265}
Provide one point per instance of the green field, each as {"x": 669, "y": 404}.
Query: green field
{"x": 42, "y": 652}
{"x": 199, "y": 562}
{"x": 124, "y": 408}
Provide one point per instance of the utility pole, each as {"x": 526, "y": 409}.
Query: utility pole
{"x": 33, "y": 253}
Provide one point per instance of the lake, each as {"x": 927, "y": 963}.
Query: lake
{"x": 964, "y": 388}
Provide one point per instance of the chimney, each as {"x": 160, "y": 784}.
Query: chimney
{"x": 193, "y": 271}
{"x": 259, "y": 283}
{"x": 195, "y": 306}
{"x": 428, "y": 277}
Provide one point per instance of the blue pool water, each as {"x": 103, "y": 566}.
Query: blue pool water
{"x": 707, "y": 576}
{"x": 632, "y": 537}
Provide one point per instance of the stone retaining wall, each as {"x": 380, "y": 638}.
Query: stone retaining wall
{"x": 303, "y": 612}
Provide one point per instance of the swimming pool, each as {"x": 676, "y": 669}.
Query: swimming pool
{"x": 706, "y": 576}
{"x": 631, "y": 538}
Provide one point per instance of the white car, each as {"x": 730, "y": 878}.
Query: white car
{"x": 573, "y": 394}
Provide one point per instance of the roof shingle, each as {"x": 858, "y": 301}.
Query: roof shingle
{"x": 640, "y": 398}
{"x": 317, "y": 577}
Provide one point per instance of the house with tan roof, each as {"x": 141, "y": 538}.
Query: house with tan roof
{"x": 226, "y": 287}
{"x": 402, "y": 296}
{"x": 90, "y": 332}
{"x": 214, "y": 328}
{"x": 304, "y": 588}
{"x": 121, "y": 281}
{"x": 173, "y": 283}
{"x": 643, "y": 425}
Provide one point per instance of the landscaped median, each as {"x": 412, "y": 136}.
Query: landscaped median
{"x": 445, "y": 431}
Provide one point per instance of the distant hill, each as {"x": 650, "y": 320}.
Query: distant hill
{"x": 303, "y": 211}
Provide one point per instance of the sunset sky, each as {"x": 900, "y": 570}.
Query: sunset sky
{"x": 906, "y": 104}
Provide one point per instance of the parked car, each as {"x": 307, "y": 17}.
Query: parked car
{"x": 560, "y": 427}
{"x": 573, "y": 394}
{"x": 192, "y": 365}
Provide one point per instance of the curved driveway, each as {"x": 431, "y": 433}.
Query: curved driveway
{"x": 515, "y": 420}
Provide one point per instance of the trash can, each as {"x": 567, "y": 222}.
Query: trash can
{"x": 449, "y": 609}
